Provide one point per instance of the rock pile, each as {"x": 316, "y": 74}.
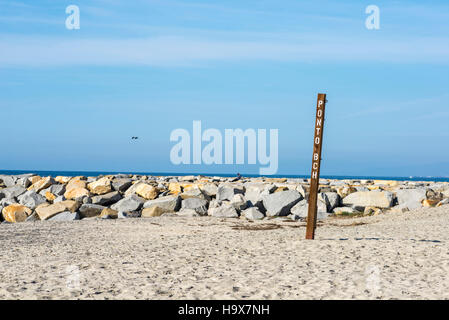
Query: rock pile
{"x": 29, "y": 197}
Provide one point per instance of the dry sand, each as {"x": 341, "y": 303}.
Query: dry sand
{"x": 389, "y": 256}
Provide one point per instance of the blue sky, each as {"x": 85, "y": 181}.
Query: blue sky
{"x": 71, "y": 99}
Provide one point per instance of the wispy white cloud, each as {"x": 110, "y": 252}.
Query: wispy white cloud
{"x": 184, "y": 51}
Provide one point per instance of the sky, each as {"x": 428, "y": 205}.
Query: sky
{"x": 72, "y": 99}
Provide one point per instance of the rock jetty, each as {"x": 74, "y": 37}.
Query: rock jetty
{"x": 29, "y": 197}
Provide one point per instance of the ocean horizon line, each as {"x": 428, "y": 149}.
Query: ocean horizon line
{"x": 74, "y": 173}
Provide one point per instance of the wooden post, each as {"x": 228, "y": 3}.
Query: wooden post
{"x": 316, "y": 161}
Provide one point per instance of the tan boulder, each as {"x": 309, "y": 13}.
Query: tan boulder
{"x": 41, "y": 184}
{"x": 113, "y": 214}
{"x": 75, "y": 182}
{"x": 16, "y": 213}
{"x": 280, "y": 189}
{"x": 430, "y": 203}
{"x": 75, "y": 193}
{"x": 34, "y": 179}
{"x": 274, "y": 180}
{"x": 50, "y": 196}
{"x": 152, "y": 212}
{"x": 174, "y": 188}
{"x": 345, "y": 191}
{"x": 189, "y": 186}
{"x": 101, "y": 186}
{"x": 147, "y": 191}
{"x": 364, "y": 199}
{"x": 62, "y": 179}
{"x": 46, "y": 211}
{"x": 372, "y": 211}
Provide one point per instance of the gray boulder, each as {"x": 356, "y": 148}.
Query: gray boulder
{"x": 199, "y": 205}
{"x": 209, "y": 189}
{"x": 332, "y": 200}
{"x": 410, "y": 198}
{"x": 57, "y": 189}
{"x": 121, "y": 184}
{"x": 167, "y": 203}
{"x": 24, "y": 182}
{"x": 89, "y": 210}
{"x": 33, "y": 217}
{"x": 239, "y": 202}
{"x": 301, "y": 210}
{"x": 65, "y": 216}
{"x": 107, "y": 199}
{"x": 31, "y": 199}
{"x": 223, "y": 211}
{"x": 8, "y": 181}
{"x": 12, "y": 192}
{"x": 59, "y": 199}
{"x": 227, "y": 191}
{"x": 129, "y": 204}
{"x": 187, "y": 213}
{"x": 280, "y": 203}
{"x": 7, "y": 201}
{"x": 253, "y": 214}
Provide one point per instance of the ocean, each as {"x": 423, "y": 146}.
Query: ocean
{"x": 97, "y": 173}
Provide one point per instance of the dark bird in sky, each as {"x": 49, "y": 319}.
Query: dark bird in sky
{"x": 134, "y": 138}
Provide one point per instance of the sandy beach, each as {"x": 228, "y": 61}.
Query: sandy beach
{"x": 387, "y": 256}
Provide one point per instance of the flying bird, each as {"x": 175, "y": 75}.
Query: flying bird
{"x": 134, "y": 138}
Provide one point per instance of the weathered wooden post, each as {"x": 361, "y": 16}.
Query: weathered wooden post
{"x": 316, "y": 161}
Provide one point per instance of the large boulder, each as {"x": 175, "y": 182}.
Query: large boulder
{"x": 129, "y": 204}
{"x": 62, "y": 179}
{"x": 89, "y": 210}
{"x": 132, "y": 189}
{"x": 223, "y": 211}
{"x": 167, "y": 203}
{"x": 56, "y": 189}
{"x": 31, "y": 199}
{"x": 254, "y": 193}
{"x": 152, "y": 212}
{"x": 301, "y": 209}
{"x": 147, "y": 191}
{"x": 107, "y": 199}
{"x": 253, "y": 214}
{"x": 109, "y": 213}
{"x": 411, "y": 198}
{"x": 239, "y": 202}
{"x": 76, "y": 182}
{"x": 16, "y": 213}
{"x": 332, "y": 200}
{"x": 378, "y": 199}
{"x": 46, "y": 211}
{"x": 12, "y": 192}
{"x": 101, "y": 186}
{"x": 121, "y": 184}
{"x": 194, "y": 191}
{"x": 8, "y": 181}
{"x": 76, "y": 193}
{"x": 209, "y": 189}
{"x": 280, "y": 203}
{"x": 42, "y": 184}
{"x": 227, "y": 191}
{"x": 199, "y": 205}
{"x": 65, "y": 216}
